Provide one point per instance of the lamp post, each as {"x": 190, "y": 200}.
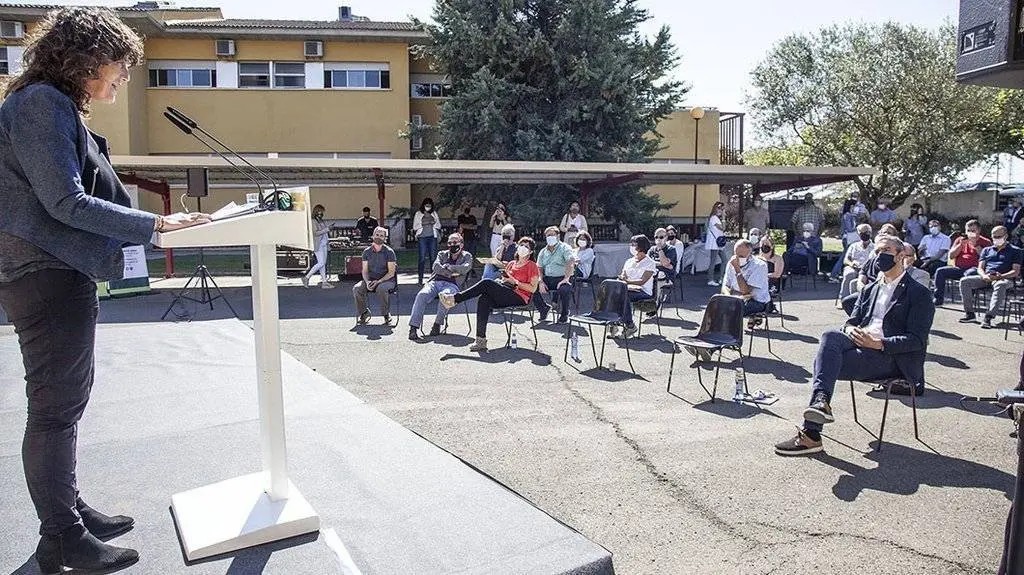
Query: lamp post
{"x": 696, "y": 113}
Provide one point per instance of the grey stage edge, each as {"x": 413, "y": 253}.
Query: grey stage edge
{"x": 174, "y": 408}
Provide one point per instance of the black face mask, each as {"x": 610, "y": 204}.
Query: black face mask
{"x": 885, "y": 262}
{"x": 767, "y": 249}
{"x": 671, "y": 238}
{"x": 454, "y": 248}
{"x": 866, "y": 236}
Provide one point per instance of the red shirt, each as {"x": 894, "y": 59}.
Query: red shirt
{"x": 968, "y": 257}
{"x": 526, "y": 275}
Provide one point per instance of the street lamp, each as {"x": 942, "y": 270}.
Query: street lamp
{"x": 696, "y": 113}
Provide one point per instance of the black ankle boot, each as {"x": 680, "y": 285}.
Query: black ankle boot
{"x": 100, "y": 525}
{"x": 76, "y": 548}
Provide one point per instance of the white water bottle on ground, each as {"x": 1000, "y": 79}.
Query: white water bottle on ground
{"x": 741, "y": 385}
{"x": 514, "y": 343}
{"x": 574, "y": 346}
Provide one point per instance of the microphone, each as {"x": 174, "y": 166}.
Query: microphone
{"x": 184, "y": 127}
{"x": 1002, "y": 397}
{"x": 189, "y": 122}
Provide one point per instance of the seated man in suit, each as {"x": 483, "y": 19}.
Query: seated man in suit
{"x": 802, "y": 256}
{"x": 886, "y": 337}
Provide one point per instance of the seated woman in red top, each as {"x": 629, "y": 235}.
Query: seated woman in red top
{"x": 514, "y": 288}
{"x": 964, "y": 253}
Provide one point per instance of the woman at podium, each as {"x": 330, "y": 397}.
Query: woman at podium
{"x": 65, "y": 219}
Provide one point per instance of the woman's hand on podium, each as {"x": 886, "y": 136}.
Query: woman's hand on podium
{"x": 180, "y": 221}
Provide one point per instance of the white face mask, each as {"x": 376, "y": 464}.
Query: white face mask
{"x": 754, "y": 239}
{"x": 998, "y": 242}
{"x": 659, "y": 242}
{"x": 582, "y": 244}
{"x": 972, "y": 235}
{"x": 632, "y": 251}
{"x": 523, "y": 251}
{"x": 551, "y": 240}
{"x": 743, "y": 261}
{"x": 807, "y": 234}
{"x": 934, "y": 230}
{"x": 881, "y": 206}
{"x": 428, "y": 209}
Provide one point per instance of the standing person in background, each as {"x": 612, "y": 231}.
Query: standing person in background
{"x": 809, "y": 213}
{"x": 504, "y": 253}
{"x": 1012, "y": 217}
{"x": 427, "y": 225}
{"x": 914, "y": 225}
{"x": 964, "y": 253}
{"x": 883, "y": 215}
{"x": 467, "y": 229}
{"x": 757, "y": 216}
{"x": 714, "y": 243}
{"x": 499, "y": 219}
{"x": 65, "y": 219}
{"x": 321, "y": 231}
{"x": 366, "y": 225}
{"x": 572, "y": 224}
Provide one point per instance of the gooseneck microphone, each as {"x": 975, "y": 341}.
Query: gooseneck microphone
{"x": 187, "y": 125}
{"x": 186, "y": 129}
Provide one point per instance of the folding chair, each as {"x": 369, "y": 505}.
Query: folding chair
{"x": 651, "y": 306}
{"x": 609, "y": 308}
{"x": 721, "y": 329}
{"x": 465, "y": 307}
{"x": 577, "y": 286}
{"x": 509, "y": 314}
{"x": 887, "y": 383}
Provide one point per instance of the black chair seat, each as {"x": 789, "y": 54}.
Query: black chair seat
{"x": 708, "y": 341}
{"x": 597, "y": 318}
{"x": 609, "y": 306}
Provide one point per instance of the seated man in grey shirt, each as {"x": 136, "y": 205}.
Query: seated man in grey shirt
{"x": 450, "y": 267}
{"x": 380, "y": 270}
{"x": 747, "y": 277}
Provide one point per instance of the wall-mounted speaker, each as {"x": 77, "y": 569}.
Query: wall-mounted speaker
{"x": 990, "y": 43}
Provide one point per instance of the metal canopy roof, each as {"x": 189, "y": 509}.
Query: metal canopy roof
{"x": 296, "y": 171}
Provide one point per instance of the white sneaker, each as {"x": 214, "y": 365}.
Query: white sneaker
{"x": 326, "y": 285}
{"x": 714, "y": 283}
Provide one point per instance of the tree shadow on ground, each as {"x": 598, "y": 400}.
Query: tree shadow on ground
{"x": 902, "y": 470}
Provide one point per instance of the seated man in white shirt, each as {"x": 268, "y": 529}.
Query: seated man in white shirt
{"x": 747, "y": 277}
{"x": 885, "y": 337}
{"x": 638, "y": 272}
{"x": 933, "y": 252}
{"x": 857, "y": 254}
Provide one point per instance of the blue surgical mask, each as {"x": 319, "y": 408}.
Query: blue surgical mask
{"x": 934, "y": 230}
{"x": 551, "y": 240}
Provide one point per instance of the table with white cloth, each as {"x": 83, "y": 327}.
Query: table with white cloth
{"x": 609, "y": 258}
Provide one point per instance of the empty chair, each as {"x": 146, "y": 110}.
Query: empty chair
{"x": 721, "y": 328}
{"x": 609, "y": 311}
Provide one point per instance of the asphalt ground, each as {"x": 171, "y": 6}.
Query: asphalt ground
{"x": 671, "y": 482}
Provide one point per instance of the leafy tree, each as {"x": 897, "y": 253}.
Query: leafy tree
{"x": 882, "y": 96}
{"x": 552, "y": 80}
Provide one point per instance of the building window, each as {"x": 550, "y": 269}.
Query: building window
{"x": 289, "y": 75}
{"x": 433, "y": 90}
{"x": 5, "y": 65}
{"x": 254, "y": 74}
{"x": 182, "y": 78}
{"x": 359, "y": 79}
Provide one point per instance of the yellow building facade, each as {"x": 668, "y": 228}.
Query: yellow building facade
{"x": 343, "y": 88}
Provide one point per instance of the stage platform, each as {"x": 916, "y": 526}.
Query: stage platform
{"x": 174, "y": 408}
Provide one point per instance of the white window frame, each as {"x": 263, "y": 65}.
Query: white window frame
{"x": 272, "y": 75}
{"x": 379, "y": 67}
{"x": 269, "y": 75}
{"x": 301, "y": 73}
{"x": 189, "y": 66}
{"x": 5, "y": 60}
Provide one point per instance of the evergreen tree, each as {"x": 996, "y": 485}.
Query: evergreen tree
{"x": 552, "y": 80}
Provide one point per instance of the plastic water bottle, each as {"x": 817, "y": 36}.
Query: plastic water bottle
{"x": 741, "y": 385}
{"x": 574, "y": 347}
{"x": 514, "y": 343}
{"x": 611, "y": 366}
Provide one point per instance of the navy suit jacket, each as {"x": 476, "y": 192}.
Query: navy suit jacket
{"x": 906, "y": 325}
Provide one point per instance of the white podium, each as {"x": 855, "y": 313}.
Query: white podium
{"x": 261, "y": 507}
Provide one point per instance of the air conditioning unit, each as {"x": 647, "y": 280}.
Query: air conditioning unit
{"x": 225, "y": 47}
{"x": 313, "y": 48}
{"x": 15, "y": 30}
{"x": 416, "y": 142}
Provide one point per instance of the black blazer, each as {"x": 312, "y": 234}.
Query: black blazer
{"x": 906, "y": 324}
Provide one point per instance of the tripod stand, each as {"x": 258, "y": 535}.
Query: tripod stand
{"x": 201, "y": 281}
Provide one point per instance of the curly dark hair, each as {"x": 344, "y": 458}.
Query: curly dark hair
{"x": 70, "y": 45}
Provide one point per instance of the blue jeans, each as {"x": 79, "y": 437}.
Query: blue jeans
{"x": 838, "y": 268}
{"x": 490, "y": 272}
{"x": 628, "y": 312}
{"x": 428, "y": 250}
{"x": 752, "y": 306}
{"x": 427, "y": 294}
{"x": 943, "y": 275}
{"x": 839, "y": 358}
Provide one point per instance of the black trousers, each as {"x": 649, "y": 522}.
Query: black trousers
{"x": 54, "y": 314}
{"x": 562, "y": 295}
{"x": 493, "y": 295}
